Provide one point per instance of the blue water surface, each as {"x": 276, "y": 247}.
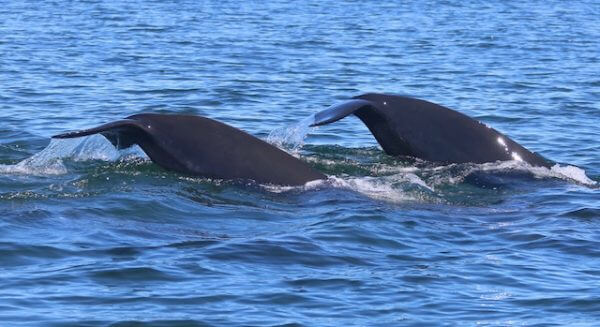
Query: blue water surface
{"x": 92, "y": 236}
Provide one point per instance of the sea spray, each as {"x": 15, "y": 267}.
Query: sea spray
{"x": 49, "y": 161}
{"x": 291, "y": 137}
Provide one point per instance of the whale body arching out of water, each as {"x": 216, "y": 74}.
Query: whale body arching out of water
{"x": 403, "y": 126}
{"x": 204, "y": 147}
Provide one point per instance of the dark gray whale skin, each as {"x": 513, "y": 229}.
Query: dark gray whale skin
{"x": 204, "y": 147}
{"x": 405, "y": 126}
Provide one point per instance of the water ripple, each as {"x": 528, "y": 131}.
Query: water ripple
{"x": 92, "y": 236}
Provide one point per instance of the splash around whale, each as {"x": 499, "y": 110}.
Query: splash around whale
{"x": 403, "y": 126}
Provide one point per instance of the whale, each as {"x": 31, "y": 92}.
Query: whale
{"x": 410, "y": 127}
{"x": 403, "y": 126}
{"x": 204, "y": 147}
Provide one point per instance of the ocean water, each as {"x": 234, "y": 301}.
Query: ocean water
{"x": 93, "y": 236}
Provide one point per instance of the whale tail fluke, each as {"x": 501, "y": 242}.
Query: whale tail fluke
{"x": 121, "y": 133}
{"x": 339, "y": 111}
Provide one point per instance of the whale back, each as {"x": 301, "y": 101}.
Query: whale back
{"x": 204, "y": 147}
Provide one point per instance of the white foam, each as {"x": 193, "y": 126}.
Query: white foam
{"x": 414, "y": 179}
{"x": 25, "y": 167}
{"x": 49, "y": 161}
{"x": 386, "y": 188}
{"x": 373, "y": 187}
{"x": 400, "y": 186}
{"x": 568, "y": 173}
{"x": 573, "y": 173}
